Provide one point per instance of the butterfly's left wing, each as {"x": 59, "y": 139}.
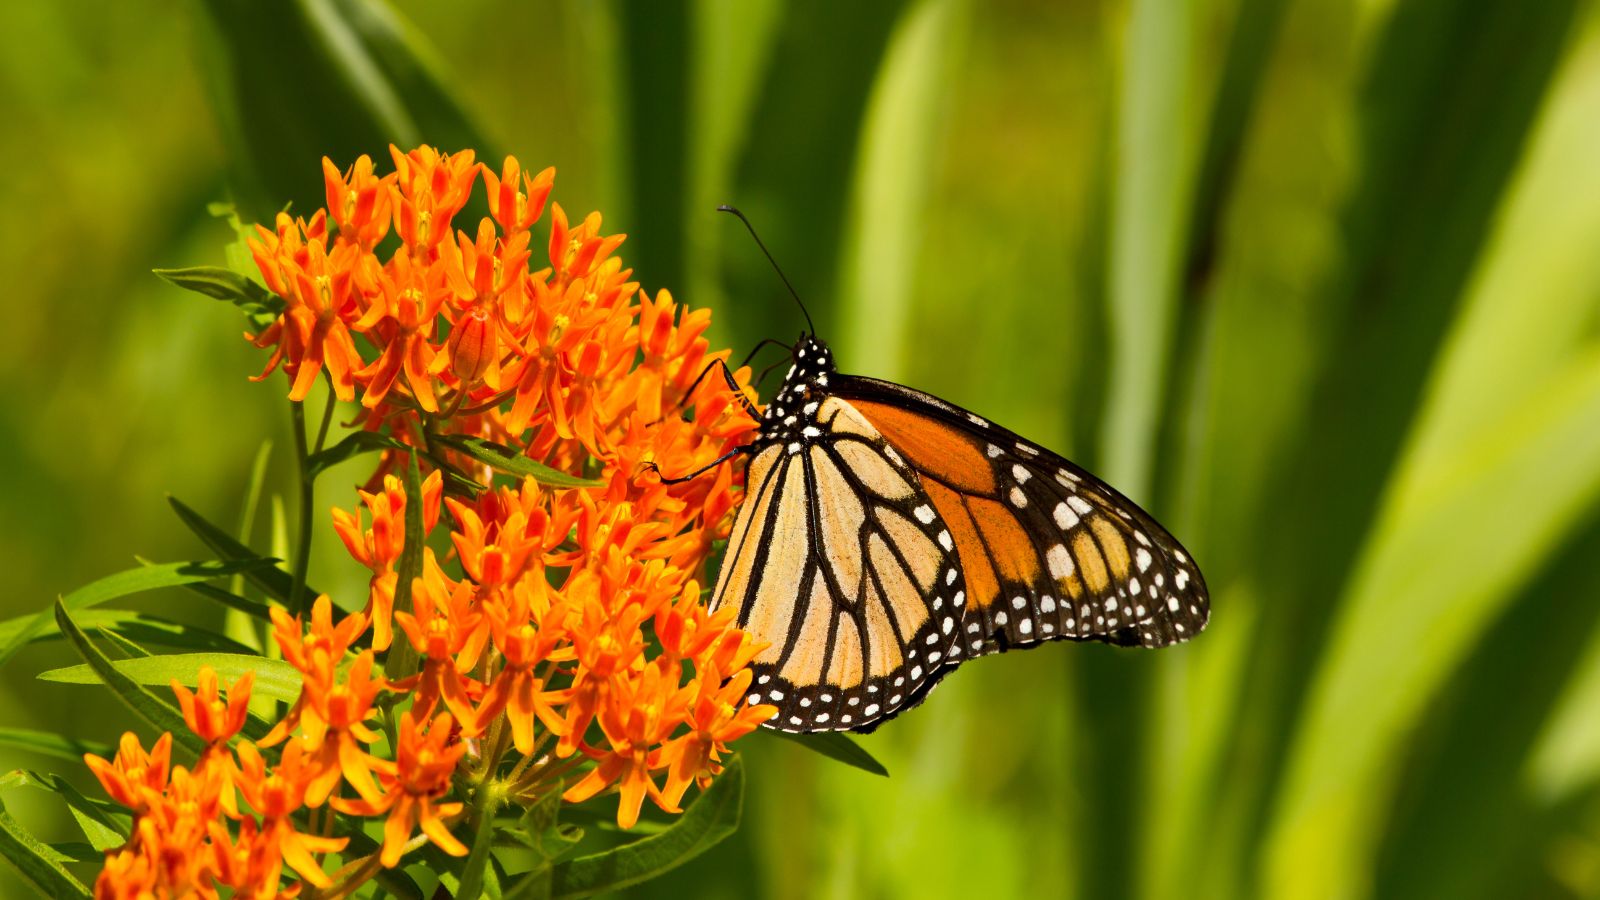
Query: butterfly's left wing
{"x": 839, "y": 565}
{"x": 1046, "y": 549}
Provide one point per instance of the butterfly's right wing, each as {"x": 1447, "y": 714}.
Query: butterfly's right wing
{"x": 838, "y": 562}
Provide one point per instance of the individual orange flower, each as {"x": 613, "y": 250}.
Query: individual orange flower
{"x": 331, "y": 716}
{"x": 321, "y": 648}
{"x": 634, "y": 722}
{"x": 516, "y": 207}
{"x": 134, "y": 777}
{"x": 430, "y": 189}
{"x": 379, "y": 547}
{"x": 401, "y": 319}
{"x": 174, "y": 831}
{"x": 315, "y": 333}
{"x": 717, "y": 716}
{"x": 502, "y": 535}
{"x": 358, "y": 201}
{"x": 204, "y": 710}
{"x": 250, "y": 863}
{"x": 518, "y": 689}
{"x": 277, "y": 796}
{"x": 424, "y": 763}
{"x": 449, "y": 633}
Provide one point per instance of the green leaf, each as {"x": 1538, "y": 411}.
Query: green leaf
{"x": 121, "y": 584}
{"x": 232, "y": 601}
{"x": 106, "y": 825}
{"x": 136, "y": 626}
{"x": 259, "y": 305}
{"x": 505, "y": 459}
{"x": 36, "y": 862}
{"x": 275, "y": 678}
{"x": 77, "y": 851}
{"x": 237, "y": 622}
{"x": 402, "y": 658}
{"x": 160, "y": 714}
{"x": 53, "y": 745}
{"x": 269, "y": 578}
{"x": 351, "y": 447}
{"x": 712, "y": 817}
{"x": 374, "y": 85}
{"x": 836, "y": 746}
{"x": 128, "y": 647}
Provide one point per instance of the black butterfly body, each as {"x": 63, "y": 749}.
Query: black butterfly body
{"x": 887, "y": 536}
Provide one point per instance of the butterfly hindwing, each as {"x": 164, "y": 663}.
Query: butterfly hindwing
{"x": 840, "y": 563}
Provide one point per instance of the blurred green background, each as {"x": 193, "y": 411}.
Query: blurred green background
{"x": 1317, "y": 282}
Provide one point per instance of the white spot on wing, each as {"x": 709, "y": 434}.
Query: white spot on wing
{"x": 1060, "y": 562}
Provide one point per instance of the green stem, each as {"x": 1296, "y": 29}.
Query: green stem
{"x": 302, "y": 554}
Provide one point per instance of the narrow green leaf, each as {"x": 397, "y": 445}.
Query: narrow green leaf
{"x": 835, "y": 746}
{"x": 232, "y": 601}
{"x": 121, "y": 584}
{"x": 237, "y": 623}
{"x": 712, "y": 817}
{"x": 274, "y": 677}
{"x": 128, "y": 647}
{"x": 505, "y": 459}
{"x": 269, "y": 578}
{"x": 77, "y": 851}
{"x": 259, "y": 305}
{"x": 351, "y": 447}
{"x": 145, "y": 629}
{"x": 53, "y": 745}
{"x": 98, "y": 820}
{"x": 36, "y": 862}
{"x": 160, "y": 714}
{"x": 402, "y": 659}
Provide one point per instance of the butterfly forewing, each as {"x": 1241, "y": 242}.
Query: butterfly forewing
{"x": 839, "y": 562}
{"x": 1047, "y": 550}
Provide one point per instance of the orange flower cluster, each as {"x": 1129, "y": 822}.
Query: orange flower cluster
{"x": 181, "y": 845}
{"x": 560, "y": 645}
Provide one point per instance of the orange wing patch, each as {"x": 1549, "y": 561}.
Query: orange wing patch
{"x": 982, "y": 586}
{"x": 943, "y": 453}
{"x": 1014, "y": 554}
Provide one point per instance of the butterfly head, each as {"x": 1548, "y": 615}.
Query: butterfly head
{"x": 794, "y": 407}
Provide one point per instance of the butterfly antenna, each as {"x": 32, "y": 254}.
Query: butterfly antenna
{"x": 792, "y": 292}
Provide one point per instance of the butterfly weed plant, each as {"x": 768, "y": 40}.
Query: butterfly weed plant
{"x": 533, "y": 634}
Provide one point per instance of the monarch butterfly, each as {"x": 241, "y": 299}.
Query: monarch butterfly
{"x": 887, "y": 536}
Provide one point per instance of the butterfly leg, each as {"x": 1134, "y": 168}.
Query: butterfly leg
{"x": 727, "y": 376}
{"x": 703, "y": 469}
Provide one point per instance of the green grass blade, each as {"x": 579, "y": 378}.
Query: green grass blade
{"x": 733, "y": 41}
{"x": 1149, "y": 225}
{"x": 901, "y": 136}
{"x": 797, "y": 200}
{"x": 1441, "y": 564}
